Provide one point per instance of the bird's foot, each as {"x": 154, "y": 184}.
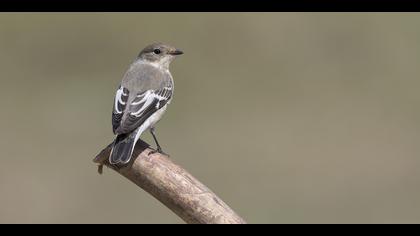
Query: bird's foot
{"x": 158, "y": 150}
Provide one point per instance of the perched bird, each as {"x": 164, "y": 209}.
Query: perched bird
{"x": 141, "y": 99}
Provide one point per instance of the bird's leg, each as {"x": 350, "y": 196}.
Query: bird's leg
{"x": 158, "y": 148}
{"x": 152, "y": 131}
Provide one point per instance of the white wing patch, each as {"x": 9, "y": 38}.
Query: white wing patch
{"x": 118, "y": 99}
{"x": 147, "y": 98}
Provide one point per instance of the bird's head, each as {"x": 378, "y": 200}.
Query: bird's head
{"x": 160, "y": 54}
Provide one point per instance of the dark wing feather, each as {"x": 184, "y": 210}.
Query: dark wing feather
{"x": 142, "y": 107}
{"x": 120, "y": 104}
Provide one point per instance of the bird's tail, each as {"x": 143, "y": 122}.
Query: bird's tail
{"x": 123, "y": 147}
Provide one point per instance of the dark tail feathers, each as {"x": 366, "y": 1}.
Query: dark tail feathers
{"x": 122, "y": 148}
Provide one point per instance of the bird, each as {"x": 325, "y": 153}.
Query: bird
{"x": 141, "y": 99}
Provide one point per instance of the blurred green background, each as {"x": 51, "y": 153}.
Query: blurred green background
{"x": 288, "y": 117}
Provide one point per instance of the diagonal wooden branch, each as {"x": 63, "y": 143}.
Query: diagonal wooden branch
{"x": 173, "y": 186}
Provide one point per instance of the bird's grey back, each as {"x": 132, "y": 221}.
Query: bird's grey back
{"x": 141, "y": 77}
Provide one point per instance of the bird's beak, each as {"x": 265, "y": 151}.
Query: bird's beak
{"x": 176, "y": 52}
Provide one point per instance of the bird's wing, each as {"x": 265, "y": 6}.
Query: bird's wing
{"x": 120, "y": 104}
{"x": 129, "y": 114}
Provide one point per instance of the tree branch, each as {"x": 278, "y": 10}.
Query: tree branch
{"x": 173, "y": 186}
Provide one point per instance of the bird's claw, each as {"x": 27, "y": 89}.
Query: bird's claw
{"x": 159, "y": 150}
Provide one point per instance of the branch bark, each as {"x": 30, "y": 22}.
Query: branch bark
{"x": 173, "y": 186}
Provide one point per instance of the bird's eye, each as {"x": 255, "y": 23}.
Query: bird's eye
{"x": 156, "y": 51}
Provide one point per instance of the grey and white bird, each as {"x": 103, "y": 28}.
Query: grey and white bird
{"x": 141, "y": 99}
